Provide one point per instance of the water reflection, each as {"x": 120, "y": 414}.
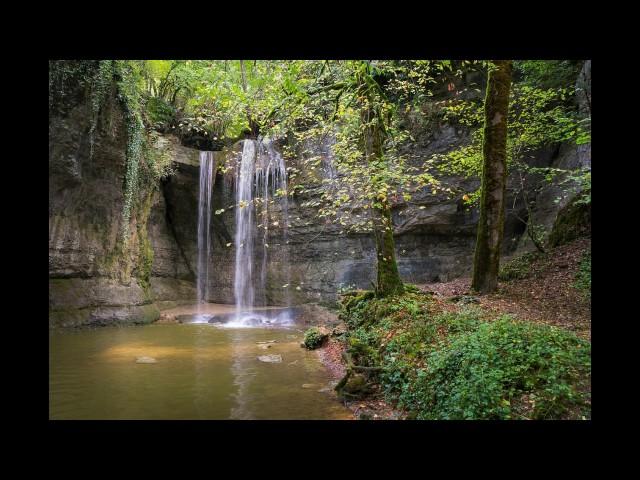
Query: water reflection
{"x": 201, "y": 372}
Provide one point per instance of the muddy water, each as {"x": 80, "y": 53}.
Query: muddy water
{"x": 201, "y": 372}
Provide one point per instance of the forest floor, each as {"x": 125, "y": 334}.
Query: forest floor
{"x": 547, "y": 295}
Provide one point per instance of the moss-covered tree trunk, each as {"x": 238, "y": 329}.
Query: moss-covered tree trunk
{"x": 388, "y": 280}
{"x": 494, "y": 175}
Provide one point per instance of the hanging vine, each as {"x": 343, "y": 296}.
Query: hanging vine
{"x": 130, "y": 97}
{"x": 99, "y": 87}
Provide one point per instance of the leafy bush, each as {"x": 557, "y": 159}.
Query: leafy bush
{"x": 503, "y": 370}
{"x": 456, "y": 365}
{"x": 518, "y": 267}
{"x": 161, "y": 113}
{"x": 313, "y": 338}
{"x": 583, "y": 277}
{"x": 548, "y": 73}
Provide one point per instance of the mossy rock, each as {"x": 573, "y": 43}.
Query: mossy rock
{"x": 519, "y": 267}
{"x": 573, "y": 221}
{"x": 352, "y": 299}
{"x": 314, "y": 338}
{"x": 356, "y": 385}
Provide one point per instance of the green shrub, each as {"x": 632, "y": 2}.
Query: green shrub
{"x": 411, "y": 288}
{"x": 503, "y": 370}
{"x": 160, "y": 112}
{"x": 519, "y": 267}
{"x": 313, "y": 338}
{"x": 583, "y": 277}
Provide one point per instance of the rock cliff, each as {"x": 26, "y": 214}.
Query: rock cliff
{"x": 95, "y": 279}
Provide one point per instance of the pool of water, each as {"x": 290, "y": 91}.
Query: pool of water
{"x": 201, "y": 372}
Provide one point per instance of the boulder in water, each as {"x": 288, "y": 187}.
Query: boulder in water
{"x": 146, "y": 360}
{"x": 270, "y": 358}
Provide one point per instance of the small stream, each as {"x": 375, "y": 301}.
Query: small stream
{"x": 202, "y": 371}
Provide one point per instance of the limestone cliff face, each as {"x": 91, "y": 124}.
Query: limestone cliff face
{"x": 93, "y": 277}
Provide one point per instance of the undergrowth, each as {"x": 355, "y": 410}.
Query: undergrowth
{"x": 583, "y": 277}
{"x": 519, "y": 267}
{"x": 460, "y": 365}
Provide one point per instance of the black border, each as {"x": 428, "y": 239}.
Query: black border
{"x": 420, "y": 43}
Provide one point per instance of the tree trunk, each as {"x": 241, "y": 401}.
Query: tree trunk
{"x": 389, "y": 281}
{"x": 494, "y": 174}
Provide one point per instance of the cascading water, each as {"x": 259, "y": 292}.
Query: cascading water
{"x": 207, "y": 178}
{"x": 243, "y": 279}
{"x": 260, "y": 178}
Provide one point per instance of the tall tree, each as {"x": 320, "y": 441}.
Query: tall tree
{"x": 494, "y": 175}
{"x": 373, "y": 138}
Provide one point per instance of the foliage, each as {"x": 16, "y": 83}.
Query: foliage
{"x": 313, "y": 338}
{"x": 542, "y": 112}
{"x": 146, "y": 164}
{"x": 161, "y": 114}
{"x": 547, "y": 73}
{"x": 519, "y": 267}
{"x": 537, "y": 117}
{"x": 130, "y": 96}
{"x": 503, "y": 370}
{"x": 100, "y": 86}
{"x": 342, "y": 288}
{"x": 577, "y": 182}
{"x": 66, "y": 78}
{"x": 583, "y": 277}
{"x": 457, "y": 365}
{"x": 351, "y": 104}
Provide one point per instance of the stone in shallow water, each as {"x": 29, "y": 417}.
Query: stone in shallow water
{"x": 146, "y": 360}
{"x": 270, "y": 358}
{"x": 264, "y": 347}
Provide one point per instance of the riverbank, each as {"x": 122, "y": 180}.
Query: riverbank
{"x": 440, "y": 352}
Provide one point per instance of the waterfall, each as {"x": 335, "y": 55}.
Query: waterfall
{"x": 243, "y": 279}
{"x": 207, "y": 178}
{"x": 260, "y": 181}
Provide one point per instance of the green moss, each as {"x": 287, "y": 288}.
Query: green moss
{"x": 494, "y": 174}
{"x": 519, "y": 267}
{"x": 313, "y": 338}
{"x": 145, "y": 251}
{"x": 352, "y": 299}
{"x": 572, "y": 222}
